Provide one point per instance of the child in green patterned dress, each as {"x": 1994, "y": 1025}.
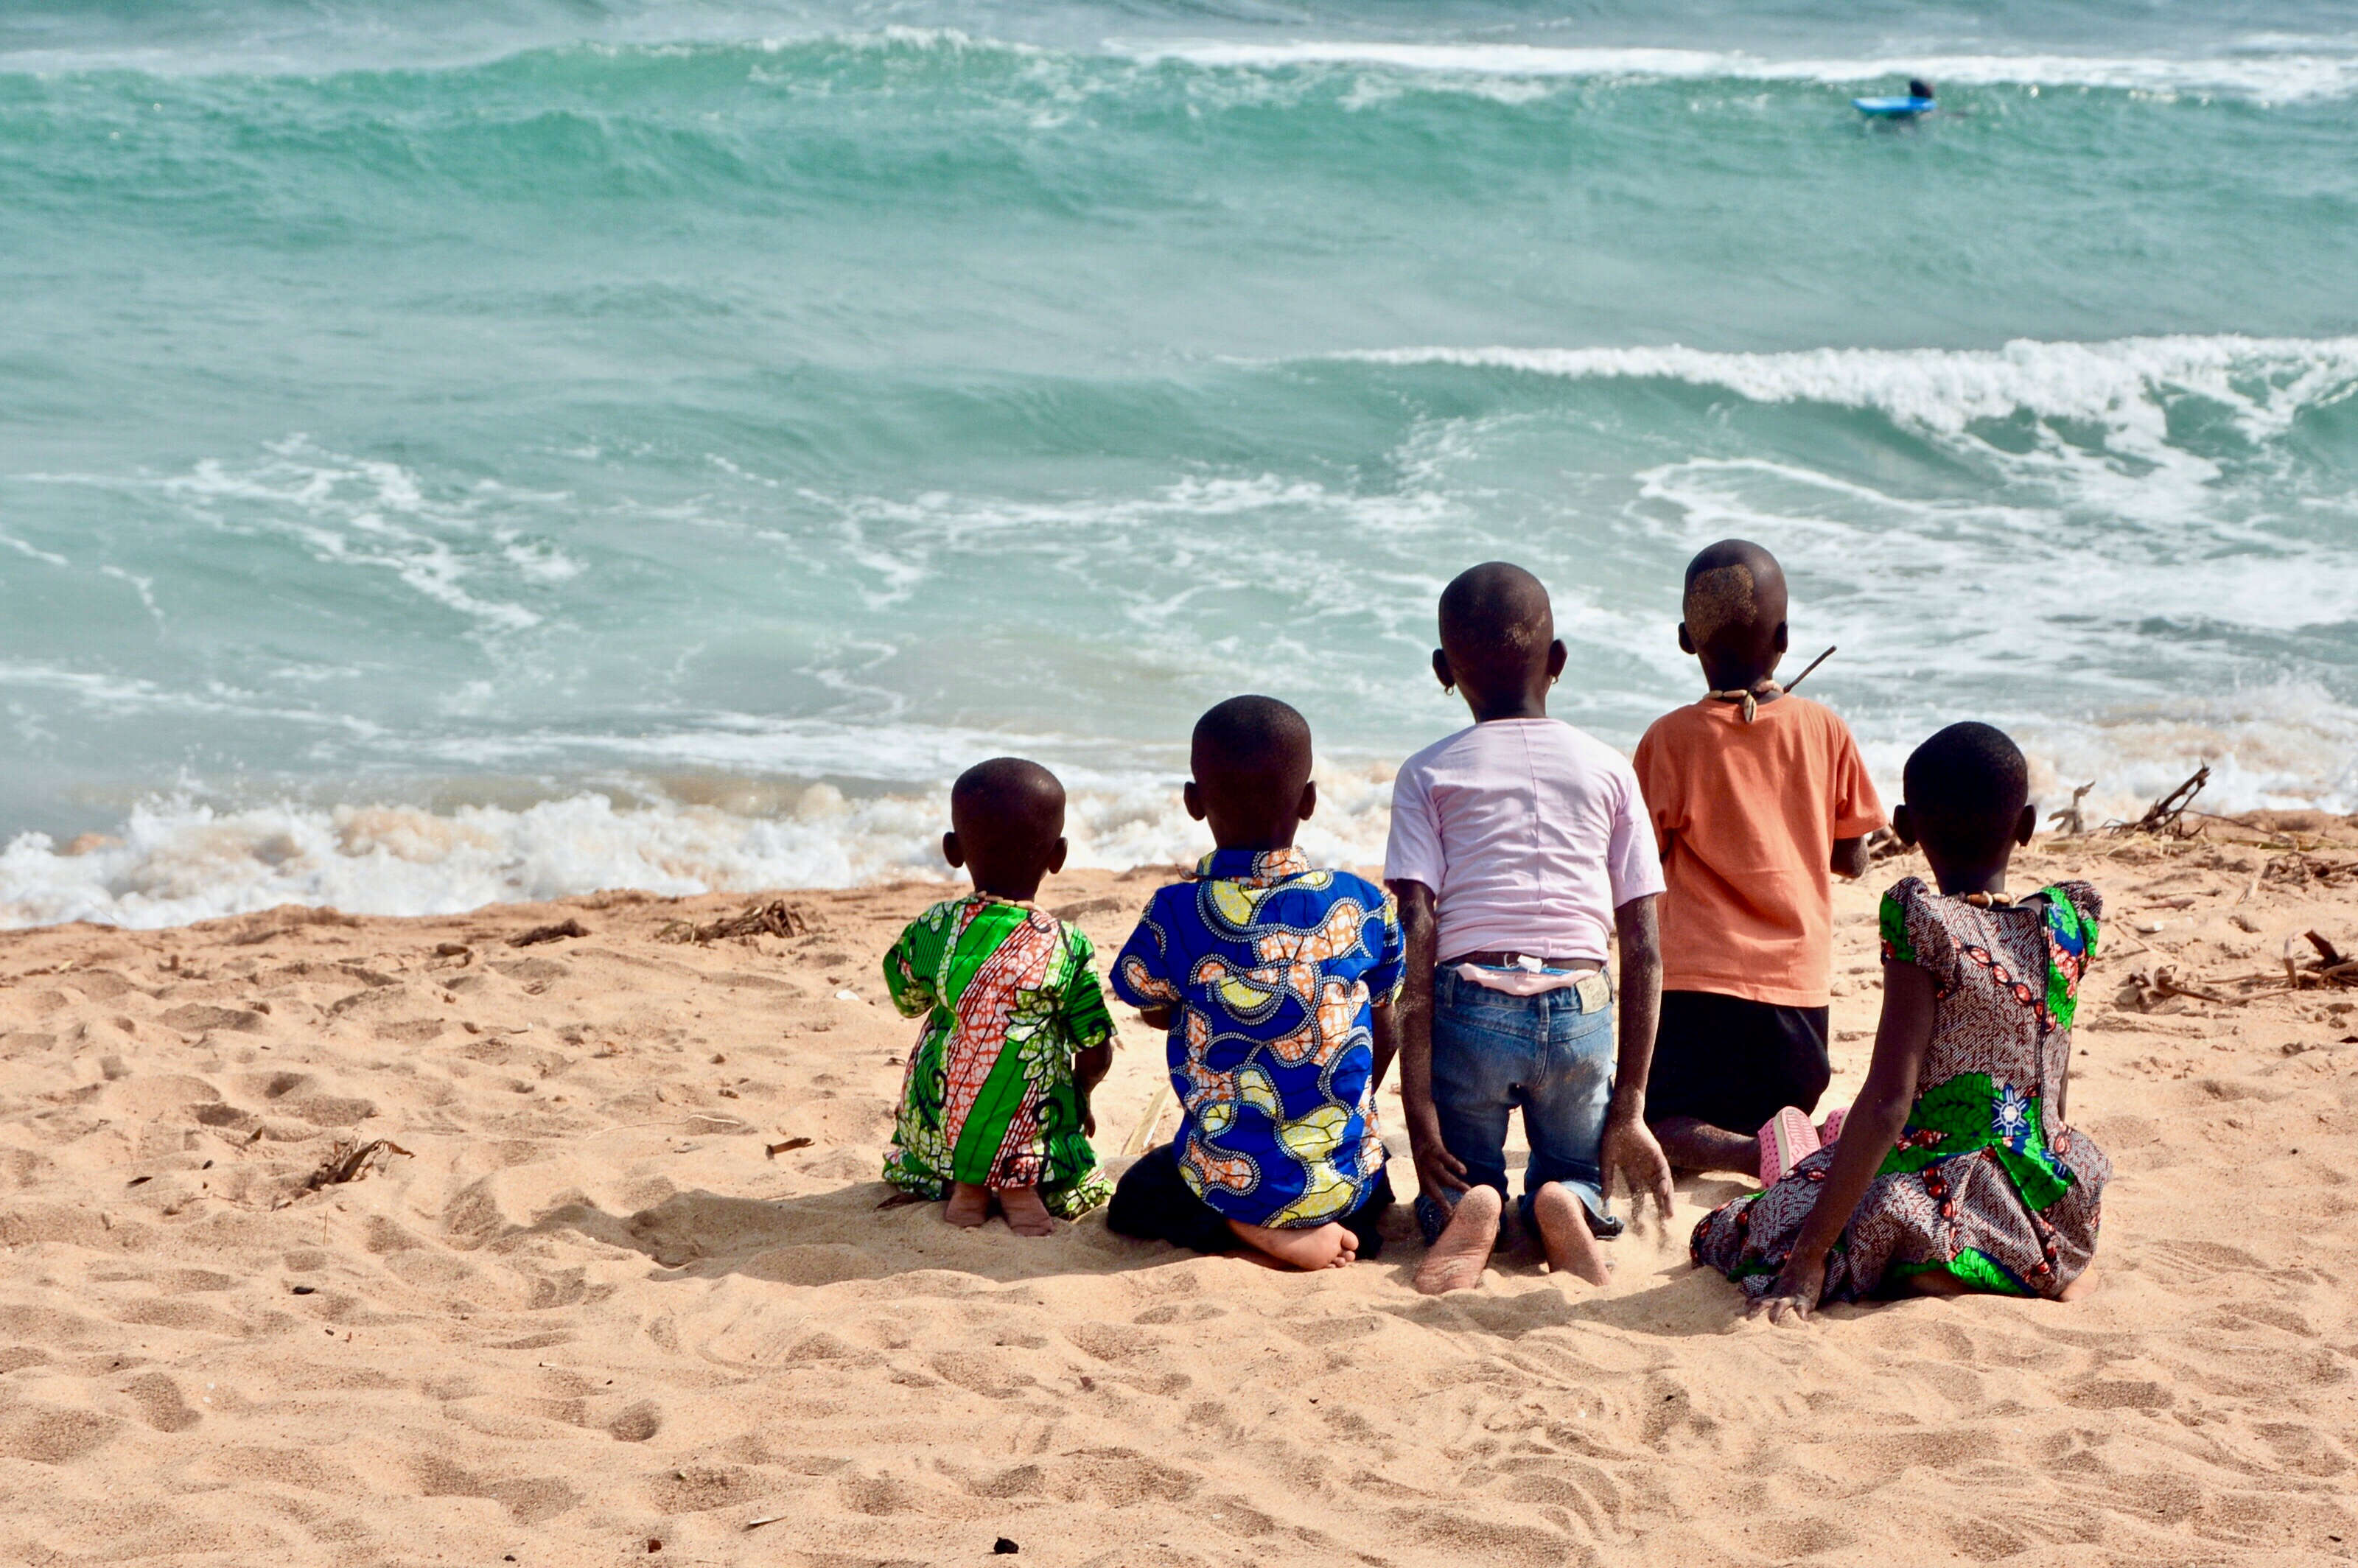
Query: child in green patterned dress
{"x": 995, "y": 1104}
{"x": 1956, "y": 1171}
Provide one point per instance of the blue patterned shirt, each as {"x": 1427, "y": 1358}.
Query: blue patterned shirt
{"x": 1270, "y": 969}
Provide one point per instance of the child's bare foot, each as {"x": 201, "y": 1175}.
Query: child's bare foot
{"x": 2081, "y": 1288}
{"x": 1571, "y": 1247}
{"x": 969, "y": 1205}
{"x": 1462, "y": 1249}
{"x": 1026, "y": 1214}
{"x": 1329, "y": 1246}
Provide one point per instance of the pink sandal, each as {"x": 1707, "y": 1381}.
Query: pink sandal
{"x": 1829, "y": 1129}
{"x": 1786, "y": 1140}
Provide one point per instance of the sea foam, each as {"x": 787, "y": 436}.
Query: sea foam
{"x": 2264, "y": 76}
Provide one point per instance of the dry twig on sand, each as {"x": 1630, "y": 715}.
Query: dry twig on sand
{"x": 2070, "y": 818}
{"x": 775, "y": 918}
{"x": 557, "y": 933}
{"x": 2326, "y": 966}
{"x": 349, "y": 1162}
{"x": 2164, "y": 816}
{"x": 2148, "y": 991}
{"x": 2301, "y": 870}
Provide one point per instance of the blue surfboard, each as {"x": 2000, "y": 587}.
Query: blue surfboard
{"x": 1893, "y": 108}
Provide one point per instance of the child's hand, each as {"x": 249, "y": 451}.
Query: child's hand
{"x": 1630, "y": 1150}
{"x": 1795, "y": 1294}
{"x": 1438, "y": 1172}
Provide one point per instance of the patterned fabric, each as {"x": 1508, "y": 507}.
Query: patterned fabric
{"x": 1984, "y": 1181}
{"x": 1009, "y": 998}
{"x": 1270, "y": 968}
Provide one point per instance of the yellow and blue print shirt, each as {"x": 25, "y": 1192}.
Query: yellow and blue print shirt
{"x": 1270, "y": 969}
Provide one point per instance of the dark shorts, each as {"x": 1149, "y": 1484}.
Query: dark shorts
{"x": 1733, "y": 1063}
{"x": 1153, "y": 1203}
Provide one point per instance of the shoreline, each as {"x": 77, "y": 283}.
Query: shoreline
{"x": 608, "y": 1293}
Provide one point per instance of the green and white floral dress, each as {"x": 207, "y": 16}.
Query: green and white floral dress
{"x": 1986, "y": 1180}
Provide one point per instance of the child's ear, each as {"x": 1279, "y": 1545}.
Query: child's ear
{"x": 1784, "y": 639}
{"x": 951, "y": 851}
{"x": 2026, "y": 824}
{"x": 1309, "y": 801}
{"x": 1686, "y": 643}
{"x": 1442, "y": 672}
{"x": 1558, "y": 657}
{"x": 1056, "y": 853}
{"x": 1903, "y": 825}
{"x": 1194, "y": 797}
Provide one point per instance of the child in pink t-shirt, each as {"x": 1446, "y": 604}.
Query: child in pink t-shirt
{"x": 1520, "y": 849}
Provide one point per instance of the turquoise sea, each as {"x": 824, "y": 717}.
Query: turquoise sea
{"x": 453, "y": 451}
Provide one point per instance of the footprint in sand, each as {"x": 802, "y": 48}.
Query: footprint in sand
{"x": 160, "y": 1403}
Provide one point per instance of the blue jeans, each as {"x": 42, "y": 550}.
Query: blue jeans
{"x": 1493, "y": 1053}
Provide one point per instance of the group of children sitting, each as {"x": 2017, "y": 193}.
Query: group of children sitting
{"x": 1523, "y": 854}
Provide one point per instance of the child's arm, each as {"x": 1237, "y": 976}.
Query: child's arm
{"x": 1087, "y": 1024}
{"x": 1868, "y": 1132}
{"x": 1438, "y": 1172}
{"x": 1851, "y": 859}
{"x": 1628, "y": 1145}
{"x": 1137, "y": 975}
{"x": 909, "y": 968}
{"x": 1384, "y": 1022}
{"x": 1090, "y": 1065}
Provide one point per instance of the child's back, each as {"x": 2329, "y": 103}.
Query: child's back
{"x": 1747, "y": 814}
{"x": 1756, "y": 798}
{"x": 994, "y": 1106}
{"x": 1956, "y": 1169}
{"x": 1276, "y": 982}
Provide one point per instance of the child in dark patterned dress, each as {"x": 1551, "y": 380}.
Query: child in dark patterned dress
{"x": 1955, "y": 1171}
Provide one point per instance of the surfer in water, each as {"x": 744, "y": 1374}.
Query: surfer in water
{"x": 1919, "y": 88}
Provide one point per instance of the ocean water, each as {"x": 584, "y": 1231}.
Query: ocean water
{"x": 452, "y": 452}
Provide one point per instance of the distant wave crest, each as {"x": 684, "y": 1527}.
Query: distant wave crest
{"x": 2121, "y": 383}
{"x": 2266, "y": 76}
{"x": 2310, "y": 70}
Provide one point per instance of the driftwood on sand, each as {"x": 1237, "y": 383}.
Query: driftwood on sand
{"x": 775, "y": 918}
{"x": 2166, "y": 817}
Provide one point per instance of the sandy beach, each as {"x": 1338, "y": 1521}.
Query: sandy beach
{"x": 626, "y": 1290}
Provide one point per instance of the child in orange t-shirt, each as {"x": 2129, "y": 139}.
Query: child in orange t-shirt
{"x": 1756, "y": 797}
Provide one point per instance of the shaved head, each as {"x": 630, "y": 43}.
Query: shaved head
{"x": 1252, "y": 738}
{"x": 1496, "y": 625}
{"x": 1969, "y": 777}
{"x": 1735, "y": 590}
{"x": 1733, "y": 616}
{"x": 1251, "y": 756}
{"x": 1006, "y": 825}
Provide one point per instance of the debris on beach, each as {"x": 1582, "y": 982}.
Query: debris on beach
{"x": 2072, "y": 822}
{"x": 2166, "y": 817}
{"x": 2326, "y": 965}
{"x": 349, "y": 1162}
{"x": 557, "y": 933}
{"x": 775, "y": 918}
